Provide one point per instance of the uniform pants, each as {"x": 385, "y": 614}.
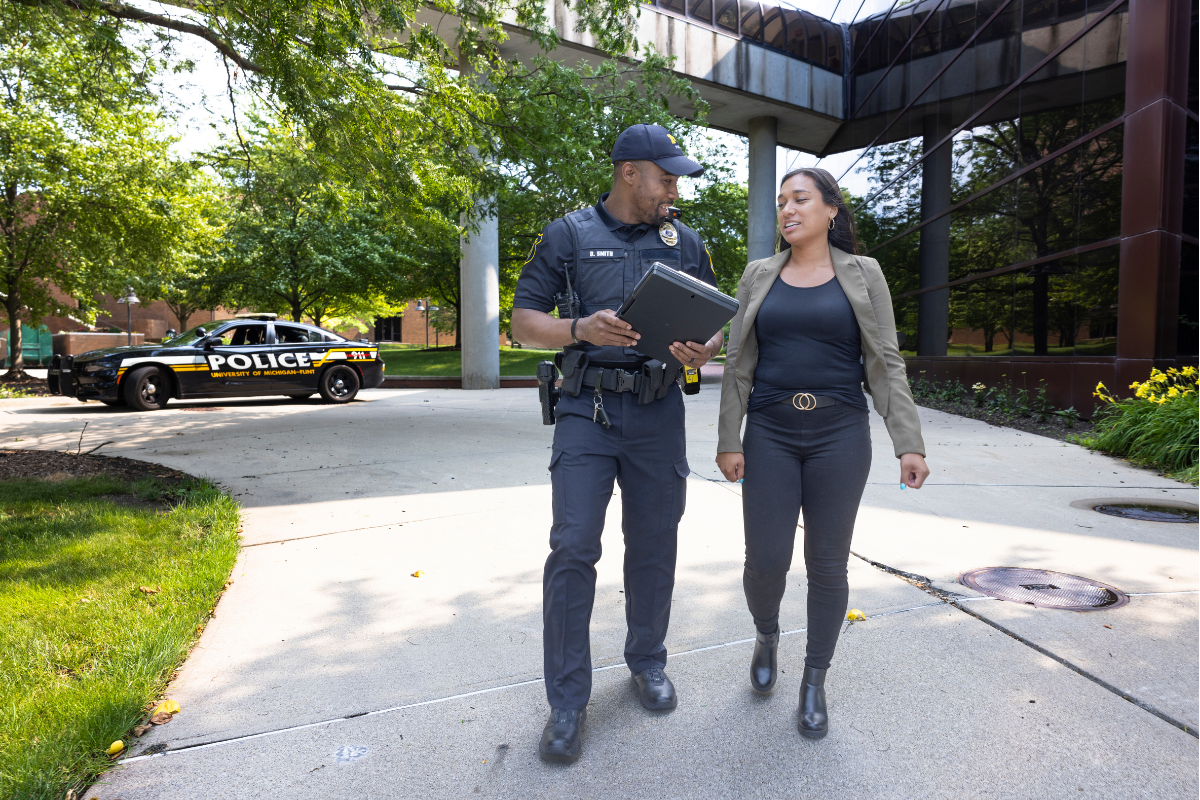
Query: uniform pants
{"x": 816, "y": 462}
{"x": 644, "y": 453}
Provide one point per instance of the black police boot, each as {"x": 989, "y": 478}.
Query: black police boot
{"x": 655, "y": 690}
{"x": 763, "y": 664}
{"x": 562, "y": 738}
{"x": 814, "y": 719}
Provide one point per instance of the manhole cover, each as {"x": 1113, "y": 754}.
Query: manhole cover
{"x": 1043, "y": 588}
{"x": 1148, "y": 513}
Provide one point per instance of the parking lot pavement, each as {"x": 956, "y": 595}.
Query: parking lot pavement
{"x": 324, "y": 620}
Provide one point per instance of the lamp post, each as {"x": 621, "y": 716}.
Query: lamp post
{"x": 128, "y": 300}
{"x": 426, "y": 307}
{"x": 421, "y": 307}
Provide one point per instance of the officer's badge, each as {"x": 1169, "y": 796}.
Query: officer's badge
{"x": 668, "y": 234}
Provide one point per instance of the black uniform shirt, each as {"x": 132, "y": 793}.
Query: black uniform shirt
{"x": 542, "y": 276}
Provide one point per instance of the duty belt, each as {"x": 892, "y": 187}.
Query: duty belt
{"x": 803, "y": 401}
{"x": 613, "y": 380}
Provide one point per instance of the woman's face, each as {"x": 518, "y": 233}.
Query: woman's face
{"x": 803, "y": 214}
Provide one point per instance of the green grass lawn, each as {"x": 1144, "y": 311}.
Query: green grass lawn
{"x": 407, "y": 359}
{"x": 82, "y": 648}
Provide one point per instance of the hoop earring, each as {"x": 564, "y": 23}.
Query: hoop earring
{"x": 831, "y": 219}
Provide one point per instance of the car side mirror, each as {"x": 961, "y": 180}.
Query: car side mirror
{"x": 207, "y": 344}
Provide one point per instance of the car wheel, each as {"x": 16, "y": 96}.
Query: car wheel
{"x": 147, "y": 389}
{"x": 339, "y": 384}
{"x": 299, "y": 396}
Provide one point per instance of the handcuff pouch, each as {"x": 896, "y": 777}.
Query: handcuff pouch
{"x": 572, "y": 364}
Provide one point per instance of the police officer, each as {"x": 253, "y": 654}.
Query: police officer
{"x": 620, "y": 417}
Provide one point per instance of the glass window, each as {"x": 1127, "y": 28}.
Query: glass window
{"x": 244, "y": 334}
{"x": 294, "y": 334}
{"x": 816, "y": 43}
{"x": 726, "y": 14}
{"x": 774, "y": 34}
{"x": 1189, "y": 299}
{"x": 675, "y": 6}
{"x": 833, "y": 46}
{"x": 701, "y": 10}
{"x": 751, "y": 22}
{"x": 796, "y": 35}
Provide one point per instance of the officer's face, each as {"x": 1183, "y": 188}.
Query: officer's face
{"x": 654, "y": 191}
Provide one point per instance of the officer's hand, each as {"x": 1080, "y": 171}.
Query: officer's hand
{"x": 604, "y": 328}
{"x": 913, "y": 470}
{"x": 691, "y": 354}
{"x": 732, "y": 466}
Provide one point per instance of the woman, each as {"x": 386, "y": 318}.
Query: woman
{"x": 815, "y": 324}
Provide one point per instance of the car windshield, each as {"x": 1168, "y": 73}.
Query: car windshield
{"x": 193, "y": 335}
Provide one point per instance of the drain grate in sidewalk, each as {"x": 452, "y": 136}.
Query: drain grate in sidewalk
{"x": 1044, "y": 589}
{"x": 1148, "y": 513}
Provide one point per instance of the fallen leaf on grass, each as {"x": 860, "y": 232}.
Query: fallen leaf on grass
{"x": 167, "y": 707}
{"x": 418, "y": 574}
{"x": 148, "y": 590}
{"x": 855, "y": 615}
{"x": 115, "y": 748}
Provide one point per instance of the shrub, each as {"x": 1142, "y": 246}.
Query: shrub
{"x": 1159, "y": 426}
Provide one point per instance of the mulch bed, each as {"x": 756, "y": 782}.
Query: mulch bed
{"x": 1054, "y": 427}
{"x": 37, "y": 386}
{"x": 55, "y": 465}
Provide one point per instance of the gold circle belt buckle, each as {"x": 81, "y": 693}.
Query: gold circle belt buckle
{"x": 804, "y": 401}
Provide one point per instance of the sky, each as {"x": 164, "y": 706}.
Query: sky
{"x": 200, "y": 99}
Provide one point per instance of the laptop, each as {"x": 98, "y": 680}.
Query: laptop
{"x": 669, "y": 306}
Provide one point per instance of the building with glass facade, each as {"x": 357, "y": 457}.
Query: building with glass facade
{"x": 1033, "y": 173}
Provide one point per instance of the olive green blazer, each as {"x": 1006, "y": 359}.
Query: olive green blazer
{"x": 886, "y": 380}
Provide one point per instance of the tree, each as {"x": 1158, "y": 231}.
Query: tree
{"x": 187, "y": 277}
{"x": 300, "y": 241}
{"x": 718, "y": 213}
{"x": 81, "y": 164}
{"x": 416, "y": 107}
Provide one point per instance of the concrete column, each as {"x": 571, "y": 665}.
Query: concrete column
{"x": 479, "y": 304}
{"x": 933, "y": 308}
{"x": 760, "y": 233}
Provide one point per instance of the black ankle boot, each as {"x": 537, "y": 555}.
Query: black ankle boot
{"x": 763, "y": 664}
{"x": 814, "y": 719}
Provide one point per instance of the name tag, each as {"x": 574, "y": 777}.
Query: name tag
{"x": 590, "y": 254}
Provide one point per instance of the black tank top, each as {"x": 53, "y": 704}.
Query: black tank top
{"x": 808, "y": 341}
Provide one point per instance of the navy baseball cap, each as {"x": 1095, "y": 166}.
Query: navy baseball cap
{"x": 654, "y": 143}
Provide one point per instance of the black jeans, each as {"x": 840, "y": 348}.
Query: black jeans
{"x": 816, "y": 461}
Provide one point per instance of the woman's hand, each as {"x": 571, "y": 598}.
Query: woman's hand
{"x": 733, "y": 466}
{"x": 913, "y": 470}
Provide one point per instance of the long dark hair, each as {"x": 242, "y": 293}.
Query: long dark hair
{"x": 843, "y": 236}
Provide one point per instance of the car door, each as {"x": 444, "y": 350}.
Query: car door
{"x": 295, "y": 346}
{"x": 238, "y": 359}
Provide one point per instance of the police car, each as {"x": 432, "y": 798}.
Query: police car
{"x": 251, "y": 355}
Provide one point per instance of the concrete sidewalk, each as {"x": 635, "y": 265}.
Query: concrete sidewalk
{"x": 330, "y": 672}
